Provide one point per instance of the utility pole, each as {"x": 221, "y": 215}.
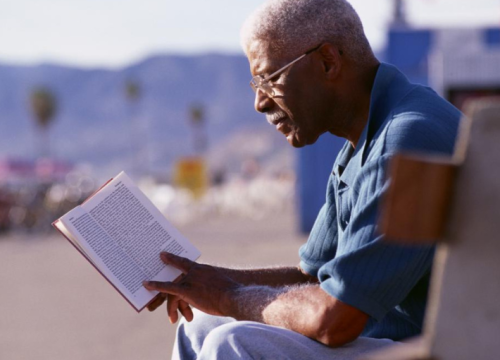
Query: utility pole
{"x": 133, "y": 94}
{"x": 399, "y": 14}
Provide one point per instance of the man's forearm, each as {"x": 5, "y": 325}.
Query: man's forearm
{"x": 305, "y": 309}
{"x": 273, "y": 277}
{"x": 254, "y": 303}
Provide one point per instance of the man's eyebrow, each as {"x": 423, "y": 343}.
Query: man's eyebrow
{"x": 261, "y": 71}
{"x": 268, "y": 70}
{"x": 262, "y": 74}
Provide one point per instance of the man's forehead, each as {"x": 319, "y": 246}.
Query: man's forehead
{"x": 262, "y": 57}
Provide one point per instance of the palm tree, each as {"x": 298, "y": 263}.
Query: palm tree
{"x": 132, "y": 90}
{"x": 197, "y": 121}
{"x": 44, "y": 107}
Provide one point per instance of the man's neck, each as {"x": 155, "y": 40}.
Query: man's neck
{"x": 361, "y": 104}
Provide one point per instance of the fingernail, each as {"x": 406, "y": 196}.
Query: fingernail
{"x": 146, "y": 283}
{"x": 164, "y": 255}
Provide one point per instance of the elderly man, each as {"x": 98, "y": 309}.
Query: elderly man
{"x": 313, "y": 73}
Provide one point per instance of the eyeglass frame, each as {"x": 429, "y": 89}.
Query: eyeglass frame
{"x": 265, "y": 80}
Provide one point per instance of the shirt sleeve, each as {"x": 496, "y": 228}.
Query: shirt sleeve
{"x": 367, "y": 273}
{"x": 322, "y": 243}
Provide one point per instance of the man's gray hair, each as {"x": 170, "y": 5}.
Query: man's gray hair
{"x": 292, "y": 27}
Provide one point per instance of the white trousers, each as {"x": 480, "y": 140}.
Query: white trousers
{"x": 211, "y": 337}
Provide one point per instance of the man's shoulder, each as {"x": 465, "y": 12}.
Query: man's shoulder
{"x": 424, "y": 100}
{"x": 422, "y": 121}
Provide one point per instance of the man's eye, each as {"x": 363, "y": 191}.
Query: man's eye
{"x": 274, "y": 79}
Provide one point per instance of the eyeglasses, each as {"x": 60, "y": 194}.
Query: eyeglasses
{"x": 264, "y": 84}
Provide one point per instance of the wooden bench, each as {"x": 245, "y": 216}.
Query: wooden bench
{"x": 454, "y": 203}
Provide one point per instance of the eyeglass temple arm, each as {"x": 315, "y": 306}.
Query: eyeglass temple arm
{"x": 290, "y": 64}
{"x": 283, "y": 68}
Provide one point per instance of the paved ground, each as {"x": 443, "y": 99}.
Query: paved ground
{"x": 53, "y": 305}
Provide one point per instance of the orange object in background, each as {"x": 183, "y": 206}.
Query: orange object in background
{"x": 191, "y": 173}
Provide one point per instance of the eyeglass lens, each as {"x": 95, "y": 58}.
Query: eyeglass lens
{"x": 258, "y": 83}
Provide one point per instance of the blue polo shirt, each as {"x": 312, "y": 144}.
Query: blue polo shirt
{"x": 344, "y": 250}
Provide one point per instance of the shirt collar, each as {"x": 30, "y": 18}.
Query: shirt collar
{"x": 389, "y": 87}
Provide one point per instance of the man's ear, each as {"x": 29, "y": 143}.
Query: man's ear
{"x": 331, "y": 60}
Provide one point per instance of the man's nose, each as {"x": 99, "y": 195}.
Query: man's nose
{"x": 263, "y": 102}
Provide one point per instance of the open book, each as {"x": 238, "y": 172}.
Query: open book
{"x": 122, "y": 233}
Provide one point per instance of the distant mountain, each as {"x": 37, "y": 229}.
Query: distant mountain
{"x": 96, "y": 124}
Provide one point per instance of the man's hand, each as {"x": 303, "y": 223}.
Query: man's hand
{"x": 203, "y": 286}
{"x": 174, "y": 303}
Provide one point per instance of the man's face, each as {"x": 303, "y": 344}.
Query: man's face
{"x": 298, "y": 107}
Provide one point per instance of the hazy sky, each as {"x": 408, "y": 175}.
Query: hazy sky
{"x": 114, "y": 33}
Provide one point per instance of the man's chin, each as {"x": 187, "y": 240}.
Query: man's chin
{"x": 295, "y": 141}
{"x": 298, "y": 141}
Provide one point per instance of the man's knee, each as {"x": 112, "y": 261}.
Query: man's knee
{"x": 202, "y": 324}
{"x": 238, "y": 339}
{"x": 191, "y": 335}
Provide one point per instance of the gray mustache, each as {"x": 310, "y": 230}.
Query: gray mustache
{"x": 275, "y": 116}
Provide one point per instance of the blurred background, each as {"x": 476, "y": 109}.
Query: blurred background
{"x": 160, "y": 90}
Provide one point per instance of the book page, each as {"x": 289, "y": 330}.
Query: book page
{"x": 68, "y": 235}
{"x": 97, "y": 246}
{"x": 124, "y": 233}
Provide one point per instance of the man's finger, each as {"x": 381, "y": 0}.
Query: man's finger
{"x": 177, "y": 262}
{"x": 172, "y": 305}
{"x": 186, "y": 310}
{"x": 158, "y": 300}
{"x": 163, "y": 287}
